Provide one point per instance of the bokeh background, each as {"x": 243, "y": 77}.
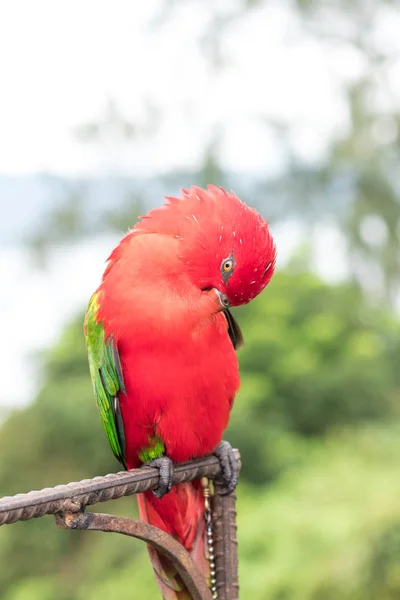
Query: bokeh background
{"x": 295, "y": 104}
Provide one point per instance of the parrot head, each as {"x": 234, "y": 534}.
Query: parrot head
{"x": 223, "y": 244}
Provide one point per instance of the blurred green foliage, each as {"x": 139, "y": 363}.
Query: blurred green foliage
{"x": 319, "y": 433}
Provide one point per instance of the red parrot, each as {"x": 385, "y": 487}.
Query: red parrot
{"x": 161, "y": 345}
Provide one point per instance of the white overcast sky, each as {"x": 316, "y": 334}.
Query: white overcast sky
{"x": 61, "y": 62}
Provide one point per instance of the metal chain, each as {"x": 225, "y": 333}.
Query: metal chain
{"x": 209, "y": 532}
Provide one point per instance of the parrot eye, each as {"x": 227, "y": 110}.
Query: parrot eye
{"x": 227, "y": 267}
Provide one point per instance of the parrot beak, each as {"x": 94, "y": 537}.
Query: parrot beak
{"x": 233, "y": 328}
{"x": 223, "y": 299}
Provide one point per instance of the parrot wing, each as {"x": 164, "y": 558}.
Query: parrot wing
{"x": 107, "y": 378}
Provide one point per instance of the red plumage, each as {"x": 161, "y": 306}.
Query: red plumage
{"x": 157, "y": 301}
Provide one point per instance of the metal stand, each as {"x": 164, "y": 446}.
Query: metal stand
{"x": 68, "y": 503}
{"x": 225, "y": 543}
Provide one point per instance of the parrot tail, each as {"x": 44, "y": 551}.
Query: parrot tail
{"x": 179, "y": 513}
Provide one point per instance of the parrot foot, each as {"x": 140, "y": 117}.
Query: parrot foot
{"x": 229, "y": 466}
{"x": 165, "y": 468}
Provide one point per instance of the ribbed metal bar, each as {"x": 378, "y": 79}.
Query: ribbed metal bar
{"x": 73, "y": 496}
{"x": 225, "y": 543}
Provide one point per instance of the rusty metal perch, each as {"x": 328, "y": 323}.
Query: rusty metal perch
{"x": 68, "y": 503}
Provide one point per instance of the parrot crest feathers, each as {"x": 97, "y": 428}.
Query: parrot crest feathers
{"x": 224, "y": 243}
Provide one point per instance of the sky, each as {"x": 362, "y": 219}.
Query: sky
{"x": 64, "y": 65}
{"x": 63, "y": 62}
{"x": 35, "y": 305}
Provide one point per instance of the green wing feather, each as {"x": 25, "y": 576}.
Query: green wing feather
{"x": 106, "y": 373}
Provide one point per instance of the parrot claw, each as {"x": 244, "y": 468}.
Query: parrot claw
{"x": 229, "y": 466}
{"x": 165, "y": 468}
